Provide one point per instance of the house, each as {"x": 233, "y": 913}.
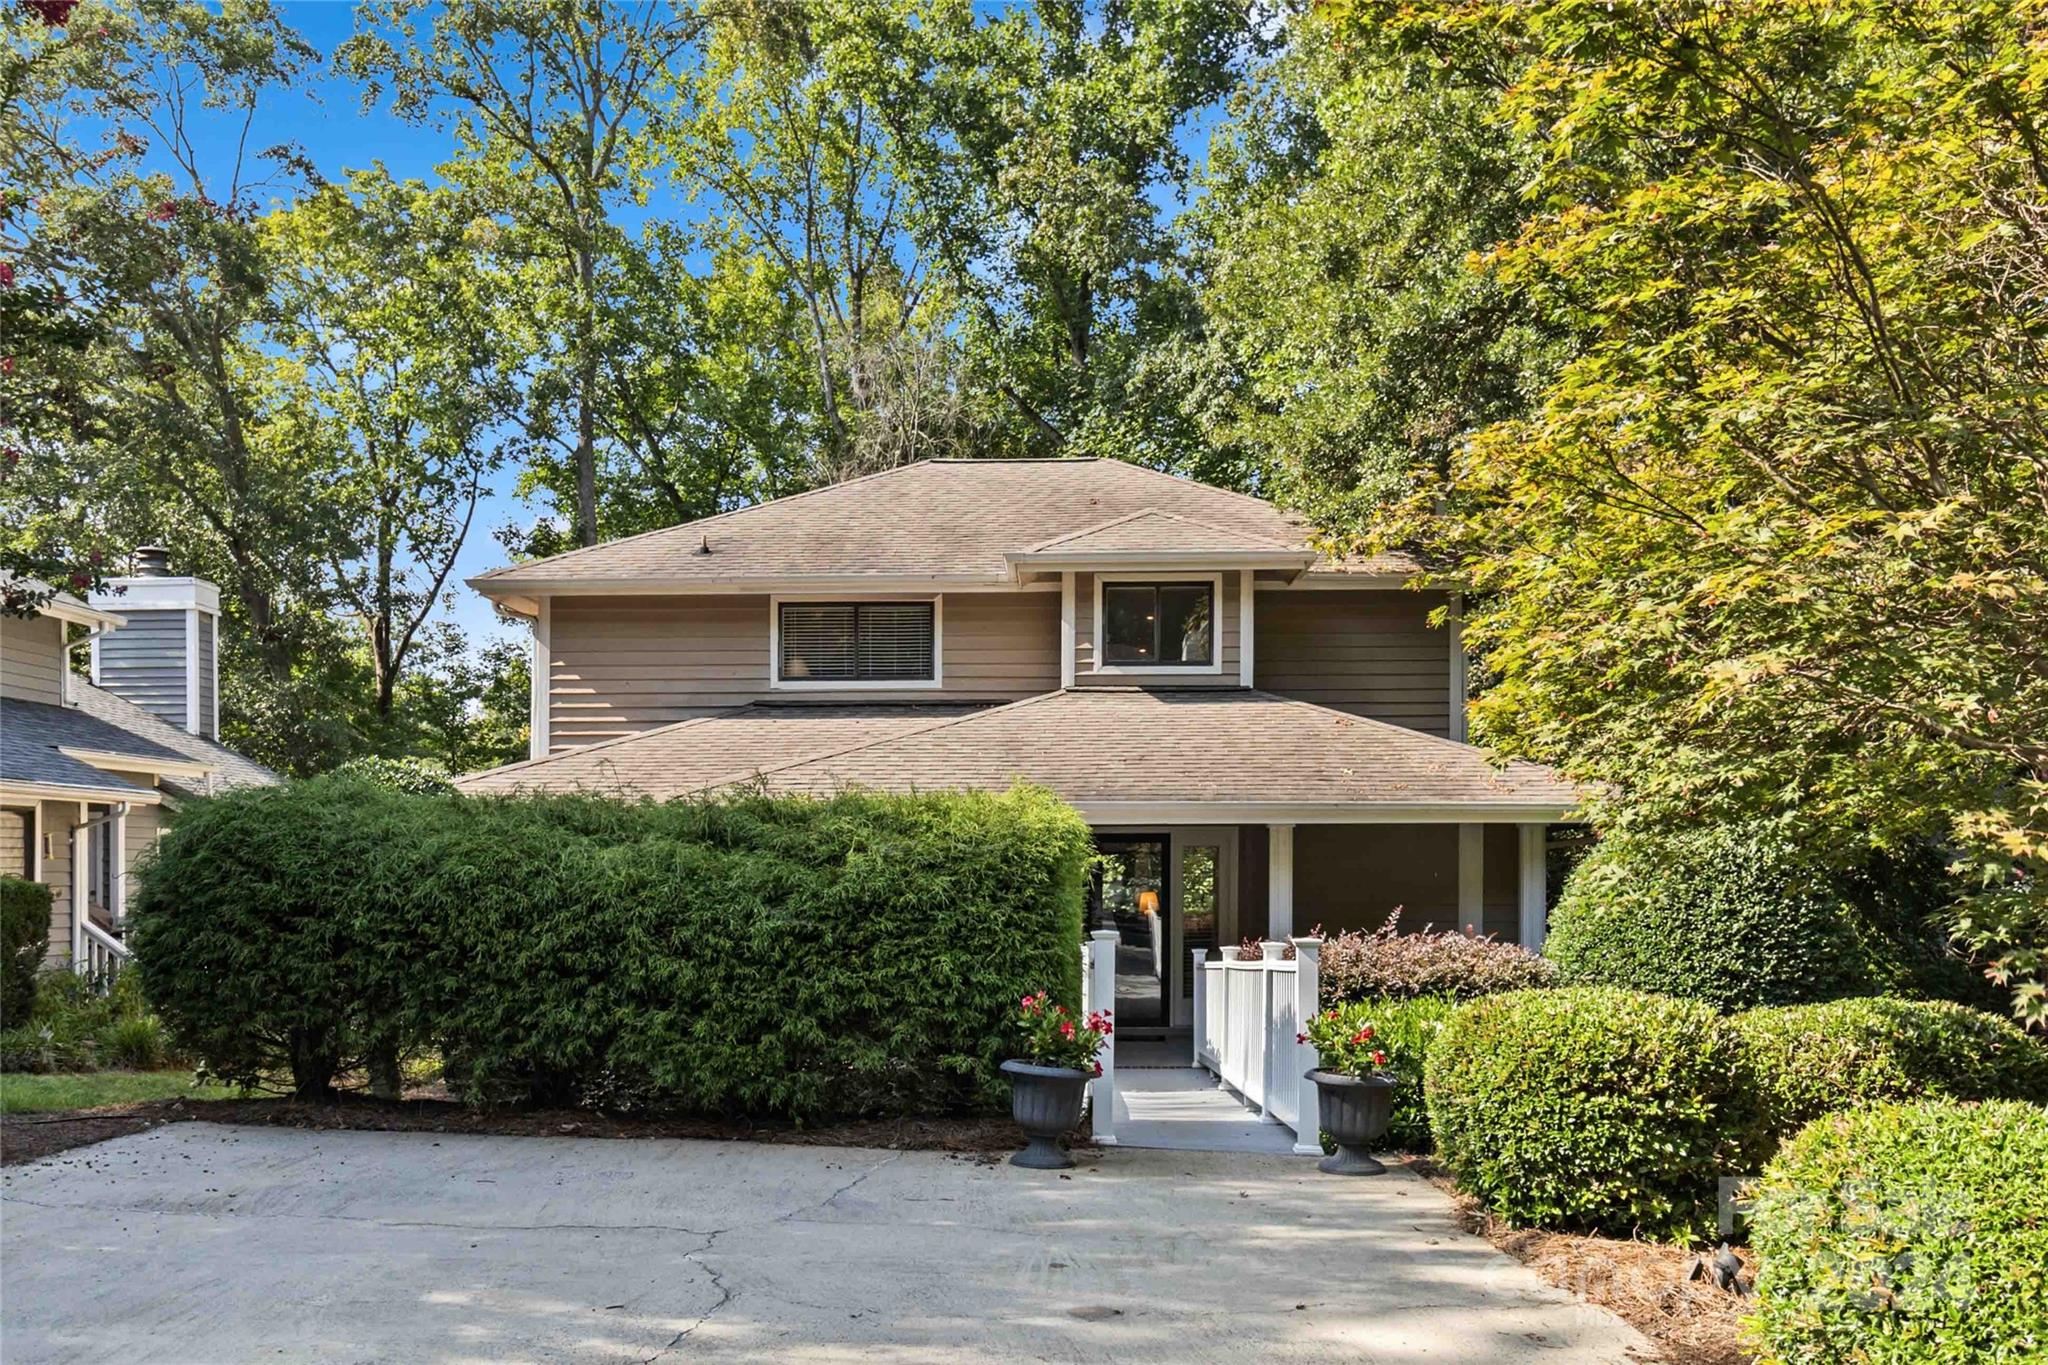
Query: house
{"x": 89, "y": 769}
{"x": 1264, "y": 739}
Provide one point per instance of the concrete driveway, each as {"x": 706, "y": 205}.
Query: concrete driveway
{"x": 195, "y": 1242}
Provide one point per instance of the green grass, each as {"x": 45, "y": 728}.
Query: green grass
{"x": 24, "y": 1093}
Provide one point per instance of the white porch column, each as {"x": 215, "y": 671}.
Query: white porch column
{"x": 81, "y": 843}
{"x": 1102, "y": 991}
{"x": 1472, "y": 875}
{"x": 1201, "y": 991}
{"x": 1308, "y": 953}
{"x": 1533, "y": 892}
{"x": 1279, "y": 881}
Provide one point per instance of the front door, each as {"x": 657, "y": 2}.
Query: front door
{"x": 1163, "y": 894}
{"x": 1131, "y": 890}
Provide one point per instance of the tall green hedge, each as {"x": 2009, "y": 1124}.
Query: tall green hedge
{"x": 776, "y": 957}
{"x": 24, "y": 938}
{"x": 1910, "y": 1234}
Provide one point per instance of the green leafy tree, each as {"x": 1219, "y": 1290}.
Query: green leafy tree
{"x": 1777, "y": 539}
{"x": 553, "y": 107}
{"x": 394, "y": 373}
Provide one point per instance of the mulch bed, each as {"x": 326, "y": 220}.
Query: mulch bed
{"x": 1643, "y": 1283}
{"x": 26, "y": 1137}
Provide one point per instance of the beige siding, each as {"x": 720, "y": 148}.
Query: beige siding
{"x": 14, "y": 843}
{"x": 53, "y": 826}
{"x": 1370, "y": 652}
{"x": 619, "y": 665}
{"x": 31, "y": 658}
{"x": 1085, "y": 674}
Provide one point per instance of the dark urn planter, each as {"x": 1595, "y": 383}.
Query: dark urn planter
{"x": 1354, "y": 1111}
{"x": 1046, "y": 1102}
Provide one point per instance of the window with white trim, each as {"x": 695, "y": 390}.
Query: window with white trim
{"x": 857, "y": 642}
{"x": 1159, "y": 625}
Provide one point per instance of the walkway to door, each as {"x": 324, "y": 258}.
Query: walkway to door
{"x": 1169, "y": 1104}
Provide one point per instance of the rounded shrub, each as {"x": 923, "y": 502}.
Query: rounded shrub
{"x": 1815, "y": 1059}
{"x": 1905, "y": 1234}
{"x": 1733, "y": 915}
{"x": 24, "y": 937}
{"x": 1592, "y": 1108}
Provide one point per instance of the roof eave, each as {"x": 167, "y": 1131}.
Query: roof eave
{"x": 511, "y": 591}
{"x": 62, "y": 791}
{"x": 1323, "y": 813}
{"x": 1297, "y": 560}
{"x": 112, "y": 760}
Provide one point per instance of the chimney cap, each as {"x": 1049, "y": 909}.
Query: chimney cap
{"x": 152, "y": 561}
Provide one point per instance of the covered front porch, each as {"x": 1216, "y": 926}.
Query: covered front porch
{"x": 1169, "y": 890}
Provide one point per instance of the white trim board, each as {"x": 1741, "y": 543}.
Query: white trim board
{"x": 1214, "y": 668}
{"x": 1148, "y": 813}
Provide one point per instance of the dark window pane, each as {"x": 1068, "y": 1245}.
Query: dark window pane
{"x": 857, "y": 642}
{"x": 1130, "y": 622}
{"x": 1184, "y": 623}
{"x": 895, "y": 642}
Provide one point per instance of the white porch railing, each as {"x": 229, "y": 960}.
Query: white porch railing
{"x": 1098, "y": 992}
{"x": 1247, "y": 1018}
{"x": 98, "y": 956}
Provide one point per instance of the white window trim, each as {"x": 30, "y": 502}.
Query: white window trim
{"x": 777, "y": 683}
{"x": 1213, "y": 668}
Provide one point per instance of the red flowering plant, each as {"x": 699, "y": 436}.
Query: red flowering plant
{"x": 1053, "y": 1037}
{"x": 1347, "y": 1043}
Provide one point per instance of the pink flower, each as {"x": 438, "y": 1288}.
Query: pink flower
{"x": 1379, "y": 1059}
{"x": 1098, "y": 1068}
{"x": 1301, "y": 1037}
{"x": 1067, "y": 1029}
{"x": 1025, "y": 1002}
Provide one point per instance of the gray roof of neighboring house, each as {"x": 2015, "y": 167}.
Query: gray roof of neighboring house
{"x": 947, "y": 520}
{"x": 1097, "y": 747}
{"x": 232, "y": 769}
{"x": 33, "y": 732}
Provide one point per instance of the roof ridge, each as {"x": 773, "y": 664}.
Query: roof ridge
{"x": 882, "y": 739}
{"x": 1267, "y": 503}
{"x": 1462, "y": 746}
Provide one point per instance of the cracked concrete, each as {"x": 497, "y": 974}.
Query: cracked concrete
{"x": 201, "y": 1243}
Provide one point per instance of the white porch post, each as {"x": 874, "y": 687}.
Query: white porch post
{"x": 1308, "y": 953}
{"x": 1270, "y": 953}
{"x": 1102, "y": 992}
{"x": 80, "y": 872}
{"x": 1279, "y": 881}
{"x": 1472, "y": 875}
{"x": 117, "y": 873}
{"x": 1533, "y": 890}
{"x": 1201, "y": 980}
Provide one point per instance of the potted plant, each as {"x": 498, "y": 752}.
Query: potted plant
{"x": 1354, "y": 1088}
{"x": 1049, "y": 1079}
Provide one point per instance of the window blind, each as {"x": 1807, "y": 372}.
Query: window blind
{"x": 857, "y": 642}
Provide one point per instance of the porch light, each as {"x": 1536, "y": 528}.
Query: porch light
{"x": 1148, "y": 902}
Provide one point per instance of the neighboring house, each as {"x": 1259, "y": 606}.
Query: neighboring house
{"x": 89, "y": 769}
{"x": 1264, "y": 739}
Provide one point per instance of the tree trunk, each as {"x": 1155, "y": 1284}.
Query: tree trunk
{"x": 314, "y": 1062}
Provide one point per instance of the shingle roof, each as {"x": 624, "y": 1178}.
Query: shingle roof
{"x": 33, "y": 732}
{"x": 1099, "y": 748}
{"x": 232, "y": 769}
{"x": 690, "y": 755}
{"x": 1152, "y": 529}
{"x": 949, "y": 520}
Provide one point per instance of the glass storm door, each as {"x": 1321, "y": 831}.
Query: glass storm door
{"x": 1131, "y": 898}
{"x": 1202, "y": 905}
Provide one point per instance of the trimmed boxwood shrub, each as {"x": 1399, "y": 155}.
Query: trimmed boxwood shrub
{"x": 1733, "y": 915}
{"x": 24, "y": 938}
{"x": 1815, "y": 1059}
{"x": 1592, "y": 1108}
{"x": 1905, "y": 1234}
{"x": 778, "y": 957}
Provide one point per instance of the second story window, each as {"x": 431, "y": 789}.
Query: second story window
{"x": 1159, "y": 625}
{"x": 856, "y": 642}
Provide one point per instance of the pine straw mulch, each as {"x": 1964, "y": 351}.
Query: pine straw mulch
{"x": 1643, "y": 1283}
{"x": 26, "y": 1137}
